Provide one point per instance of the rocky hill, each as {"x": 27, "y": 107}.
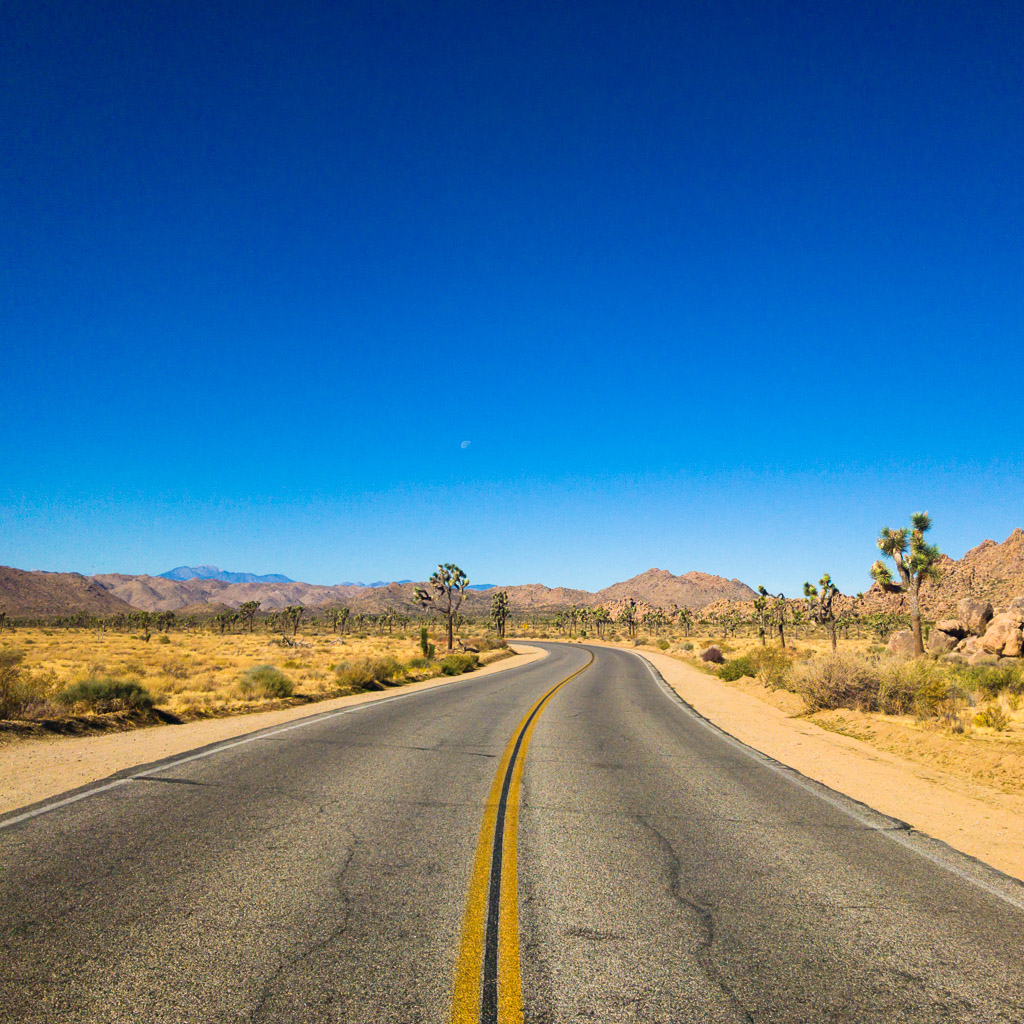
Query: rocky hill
{"x": 660, "y": 589}
{"x": 30, "y": 594}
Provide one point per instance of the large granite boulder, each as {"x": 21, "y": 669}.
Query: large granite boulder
{"x": 975, "y": 615}
{"x": 1004, "y": 635}
{"x": 902, "y": 643}
{"x": 941, "y": 642}
{"x": 954, "y": 627}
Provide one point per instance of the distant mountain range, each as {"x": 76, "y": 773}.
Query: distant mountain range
{"x": 204, "y": 589}
{"x": 990, "y": 570}
{"x": 211, "y": 572}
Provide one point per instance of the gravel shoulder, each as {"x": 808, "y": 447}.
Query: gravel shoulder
{"x": 981, "y": 821}
{"x": 35, "y": 769}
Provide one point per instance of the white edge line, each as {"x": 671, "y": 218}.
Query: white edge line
{"x": 218, "y": 748}
{"x": 819, "y": 790}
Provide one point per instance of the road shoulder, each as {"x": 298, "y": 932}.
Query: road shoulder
{"x": 36, "y": 769}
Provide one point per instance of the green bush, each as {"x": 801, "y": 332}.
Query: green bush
{"x": 687, "y": 646}
{"x": 663, "y": 644}
{"x": 424, "y": 642}
{"x": 456, "y": 664}
{"x": 265, "y": 681}
{"x": 163, "y": 639}
{"x": 737, "y": 668}
{"x": 992, "y": 680}
{"x": 105, "y": 695}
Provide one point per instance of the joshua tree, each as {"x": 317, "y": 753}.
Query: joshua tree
{"x": 761, "y": 613}
{"x": 819, "y": 604}
{"x": 500, "y": 611}
{"x": 449, "y": 584}
{"x": 223, "y": 620}
{"x": 915, "y": 561}
{"x": 601, "y": 619}
{"x": 248, "y": 610}
{"x": 292, "y": 615}
{"x": 628, "y": 617}
{"x": 685, "y": 617}
{"x": 3, "y": 620}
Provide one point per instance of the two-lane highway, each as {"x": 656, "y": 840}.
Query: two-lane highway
{"x": 565, "y": 841}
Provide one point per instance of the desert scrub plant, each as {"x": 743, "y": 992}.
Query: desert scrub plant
{"x": 20, "y": 691}
{"x": 265, "y": 681}
{"x": 456, "y": 664}
{"x": 992, "y": 680}
{"x": 993, "y": 716}
{"x": 737, "y": 668}
{"x": 838, "y": 681}
{"x": 425, "y": 644}
{"x": 368, "y": 673}
{"x": 105, "y": 695}
{"x": 663, "y": 644}
{"x": 712, "y": 654}
{"x": 772, "y": 667}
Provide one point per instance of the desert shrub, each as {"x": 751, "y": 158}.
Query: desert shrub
{"x": 992, "y": 680}
{"x": 265, "y": 681}
{"x": 939, "y": 694}
{"x": 456, "y": 664}
{"x": 368, "y": 673}
{"x": 105, "y": 695}
{"x": 132, "y": 668}
{"x": 424, "y": 642}
{"x": 177, "y": 668}
{"x": 712, "y": 654}
{"x": 487, "y": 643}
{"x": 737, "y": 668}
{"x": 663, "y": 644}
{"x": 772, "y": 666}
{"x": 163, "y": 639}
{"x": 687, "y": 646}
{"x": 17, "y": 691}
{"x": 899, "y": 685}
{"x": 993, "y": 716}
{"x": 838, "y": 681}
{"x": 419, "y": 663}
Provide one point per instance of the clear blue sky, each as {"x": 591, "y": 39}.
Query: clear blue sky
{"x": 717, "y": 286}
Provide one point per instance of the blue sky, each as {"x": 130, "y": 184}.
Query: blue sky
{"x": 706, "y": 286}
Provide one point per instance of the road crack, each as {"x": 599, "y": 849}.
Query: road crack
{"x": 705, "y": 916}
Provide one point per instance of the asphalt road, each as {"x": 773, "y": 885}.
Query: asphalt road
{"x": 665, "y": 873}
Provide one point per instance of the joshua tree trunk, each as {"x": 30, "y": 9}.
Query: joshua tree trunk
{"x": 915, "y": 615}
{"x": 832, "y": 634}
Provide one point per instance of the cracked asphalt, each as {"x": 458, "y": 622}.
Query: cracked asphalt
{"x": 667, "y": 874}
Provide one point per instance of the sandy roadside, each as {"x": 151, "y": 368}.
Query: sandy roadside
{"x": 35, "y": 769}
{"x": 977, "y": 820}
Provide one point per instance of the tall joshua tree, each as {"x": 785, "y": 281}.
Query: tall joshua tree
{"x": 248, "y": 610}
{"x": 500, "y": 611}
{"x": 915, "y": 562}
{"x": 449, "y": 585}
{"x": 819, "y": 604}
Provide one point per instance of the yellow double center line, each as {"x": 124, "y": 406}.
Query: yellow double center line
{"x": 488, "y": 988}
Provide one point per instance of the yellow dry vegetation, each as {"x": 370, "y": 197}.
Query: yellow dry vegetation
{"x": 198, "y": 673}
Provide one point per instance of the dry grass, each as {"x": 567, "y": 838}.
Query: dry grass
{"x": 203, "y": 673}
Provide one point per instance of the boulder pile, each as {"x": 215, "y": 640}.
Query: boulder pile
{"x": 978, "y": 634}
